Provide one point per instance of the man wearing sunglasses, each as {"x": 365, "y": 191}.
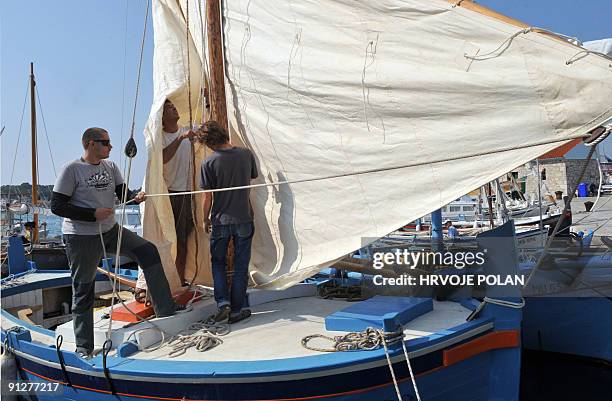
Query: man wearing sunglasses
{"x": 84, "y": 194}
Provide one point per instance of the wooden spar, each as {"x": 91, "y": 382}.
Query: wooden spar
{"x": 471, "y": 5}
{"x": 34, "y": 235}
{"x": 215, "y": 50}
{"x": 218, "y": 105}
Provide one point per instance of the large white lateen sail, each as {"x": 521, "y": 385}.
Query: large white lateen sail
{"x": 412, "y": 103}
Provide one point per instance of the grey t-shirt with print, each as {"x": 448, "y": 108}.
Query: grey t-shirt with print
{"x": 91, "y": 186}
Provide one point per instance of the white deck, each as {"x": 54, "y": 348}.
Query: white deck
{"x": 274, "y": 331}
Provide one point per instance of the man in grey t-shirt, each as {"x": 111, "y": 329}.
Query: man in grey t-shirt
{"x": 231, "y": 218}
{"x": 84, "y": 194}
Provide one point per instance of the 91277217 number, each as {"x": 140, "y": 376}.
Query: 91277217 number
{"x": 27, "y": 387}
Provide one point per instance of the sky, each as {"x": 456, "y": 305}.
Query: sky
{"x": 86, "y": 53}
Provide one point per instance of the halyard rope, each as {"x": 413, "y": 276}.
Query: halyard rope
{"x": 193, "y": 158}
{"x": 127, "y": 180}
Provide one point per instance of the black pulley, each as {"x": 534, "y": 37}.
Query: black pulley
{"x": 130, "y": 148}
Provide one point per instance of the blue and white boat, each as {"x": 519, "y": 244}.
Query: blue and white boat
{"x": 440, "y": 354}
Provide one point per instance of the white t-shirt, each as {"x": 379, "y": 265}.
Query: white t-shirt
{"x": 91, "y": 186}
{"x": 178, "y": 172}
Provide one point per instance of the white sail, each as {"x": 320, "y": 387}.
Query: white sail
{"x": 325, "y": 88}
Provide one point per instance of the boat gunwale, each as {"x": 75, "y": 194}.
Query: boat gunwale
{"x": 322, "y": 364}
{"x": 189, "y": 374}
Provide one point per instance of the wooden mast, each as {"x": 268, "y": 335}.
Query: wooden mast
{"x": 34, "y": 235}
{"x": 215, "y": 50}
{"x": 218, "y": 105}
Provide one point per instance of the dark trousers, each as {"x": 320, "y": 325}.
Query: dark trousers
{"x": 84, "y": 253}
{"x": 219, "y": 241}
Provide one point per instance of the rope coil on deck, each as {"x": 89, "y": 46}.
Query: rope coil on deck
{"x": 367, "y": 340}
{"x": 331, "y": 290}
{"x": 205, "y": 337}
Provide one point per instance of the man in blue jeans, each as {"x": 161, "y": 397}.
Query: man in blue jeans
{"x": 231, "y": 217}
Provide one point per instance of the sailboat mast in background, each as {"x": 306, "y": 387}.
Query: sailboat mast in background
{"x": 34, "y": 237}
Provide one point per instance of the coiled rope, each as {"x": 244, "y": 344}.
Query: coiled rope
{"x": 368, "y": 340}
{"x": 202, "y": 335}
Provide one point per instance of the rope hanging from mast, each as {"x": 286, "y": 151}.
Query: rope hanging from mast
{"x": 193, "y": 154}
{"x": 130, "y": 151}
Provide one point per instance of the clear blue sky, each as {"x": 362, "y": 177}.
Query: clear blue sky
{"x": 81, "y": 49}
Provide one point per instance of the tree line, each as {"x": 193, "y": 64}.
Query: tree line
{"x": 24, "y": 190}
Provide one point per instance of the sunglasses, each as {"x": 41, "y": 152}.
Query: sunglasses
{"x": 103, "y": 142}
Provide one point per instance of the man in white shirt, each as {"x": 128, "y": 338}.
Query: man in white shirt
{"x": 178, "y": 174}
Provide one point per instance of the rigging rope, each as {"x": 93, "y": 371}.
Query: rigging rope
{"x": 125, "y": 31}
{"x": 561, "y": 219}
{"x": 193, "y": 155}
{"x": 495, "y": 301}
{"x": 205, "y": 70}
{"x": 583, "y": 53}
{"x": 412, "y": 377}
{"x": 25, "y": 100}
{"x": 42, "y": 115}
{"x": 375, "y": 170}
{"x": 500, "y": 48}
{"x": 130, "y": 152}
{"x": 506, "y": 44}
{"x": 368, "y": 340}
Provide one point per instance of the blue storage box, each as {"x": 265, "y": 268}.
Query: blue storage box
{"x": 379, "y": 312}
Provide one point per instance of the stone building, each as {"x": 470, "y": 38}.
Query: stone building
{"x": 558, "y": 174}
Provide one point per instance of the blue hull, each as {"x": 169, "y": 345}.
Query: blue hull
{"x": 467, "y": 380}
{"x": 478, "y": 360}
{"x": 572, "y": 325}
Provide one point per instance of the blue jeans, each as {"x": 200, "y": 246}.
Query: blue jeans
{"x": 219, "y": 241}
